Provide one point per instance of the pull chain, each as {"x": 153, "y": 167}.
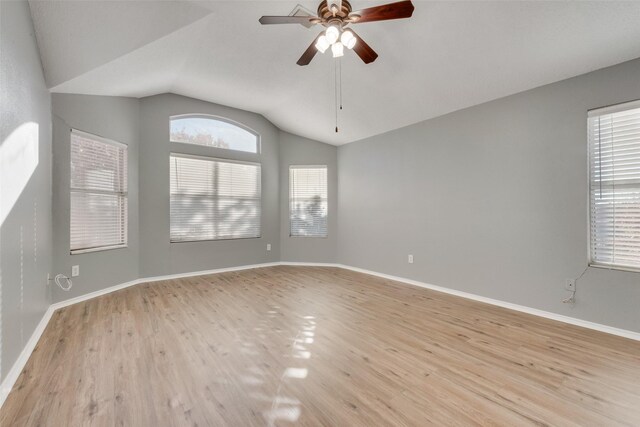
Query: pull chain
{"x": 335, "y": 75}
{"x": 340, "y": 67}
{"x": 337, "y": 70}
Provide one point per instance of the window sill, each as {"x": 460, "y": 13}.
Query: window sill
{"x": 99, "y": 249}
{"x": 215, "y": 240}
{"x": 615, "y": 267}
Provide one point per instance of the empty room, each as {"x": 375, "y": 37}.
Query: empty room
{"x": 319, "y": 213}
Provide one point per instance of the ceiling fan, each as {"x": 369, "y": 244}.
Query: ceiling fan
{"x": 336, "y": 16}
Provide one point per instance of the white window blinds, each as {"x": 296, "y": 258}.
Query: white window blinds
{"x": 98, "y": 193}
{"x": 214, "y": 199}
{"x": 614, "y": 158}
{"x": 308, "y": 201}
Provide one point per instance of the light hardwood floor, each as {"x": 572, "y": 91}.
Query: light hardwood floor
{"x": 317, "y": 346}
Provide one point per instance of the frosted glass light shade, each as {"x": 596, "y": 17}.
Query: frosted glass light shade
{"x": 322, "y": 44}
{"x": 332, "y": 34}
{"x": 337, "y": 49}
{"x": 348, "y": 39}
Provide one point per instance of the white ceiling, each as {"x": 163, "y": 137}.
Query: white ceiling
{"x": 450, "y": 55}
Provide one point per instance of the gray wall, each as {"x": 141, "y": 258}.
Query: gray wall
{"x": 157, "y": 255}
{"x": 144, "y": 126}
{"x": 25, "y": 189}
{"x": 490, "y": 200}
{"x": 113, "y": 118}
{"x": 296, "y": 150}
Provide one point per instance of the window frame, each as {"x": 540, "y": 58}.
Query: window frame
{"x": 124, "y": 194}
{"x": 594, "y": 112}
{"x": 219, "y": 119}
{"x": 214, "y": 159}
{"x": 326, "y": 167}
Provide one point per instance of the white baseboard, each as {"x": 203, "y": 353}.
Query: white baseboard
{"x": 114, "y": 288}
{"x": 311, "y": 264}
{"x": 20, "y": 363}
{"x": 536, "y": 312}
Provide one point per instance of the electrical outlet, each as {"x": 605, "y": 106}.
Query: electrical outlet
{"x": 75, "y": 271}
{"x": 570, "y": 285}
{"x": 410, "y": 259}
{"x": 268, "y": 246}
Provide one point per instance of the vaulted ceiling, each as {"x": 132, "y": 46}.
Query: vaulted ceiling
{"x": 449, "y": 56}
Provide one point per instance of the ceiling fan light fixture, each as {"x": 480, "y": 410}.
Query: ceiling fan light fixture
{"x": 348, "y": 39}
{"x": 336, "y": 16}
{"x": 337, "y": 49}
{"x": 332, "y": 34}
{"x": 322, "y": 44}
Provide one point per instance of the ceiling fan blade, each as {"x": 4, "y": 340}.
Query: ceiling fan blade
{"x": 399, "y": 10}
{"x": 363, "y": 50}
{"x": 311, "y": 51}
{"x": 304, "y": 20}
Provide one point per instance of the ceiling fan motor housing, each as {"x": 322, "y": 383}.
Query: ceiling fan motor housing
{"x": 326, "y": 13}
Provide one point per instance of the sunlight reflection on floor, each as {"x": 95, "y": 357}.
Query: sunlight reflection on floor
{"x": 284, "y": 408}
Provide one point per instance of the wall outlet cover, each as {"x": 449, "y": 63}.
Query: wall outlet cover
{"x": 570, "y": 285}
{"x": 410, "y": 259}
{"x": 75, "y": 271}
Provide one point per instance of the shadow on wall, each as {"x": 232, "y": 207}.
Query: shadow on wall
{"x": 19, "y": 160}
{"x": 194, "y": 215}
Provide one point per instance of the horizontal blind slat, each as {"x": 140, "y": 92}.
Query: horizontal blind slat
{"x": 614, "y": 153}
{"x": 98, "y": 183}
{"x": 308, "y": 205}
{"x": 211, "y": 199}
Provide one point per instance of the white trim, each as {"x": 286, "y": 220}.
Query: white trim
{"x": 313, "y": 264}
{"x": 524, "y": 309}
{"x": 615, "y": 108}
{"x": 222, "y": 119}
{"x": 309, "y": 167}
{"x": 20, "y": 363}
{"x": 95, "y": 294}
{"x": 212, "y": 159}
{"x": 204, "y": 272}
{"x": 614, "y": 267}
{"x": 97, "y": 249}
{"x": 110, "y": 289}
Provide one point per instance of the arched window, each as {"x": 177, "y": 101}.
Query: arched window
{"x": 215, "y": 132}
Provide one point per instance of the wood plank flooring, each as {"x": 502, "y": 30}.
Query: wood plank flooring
{"x": 317, "y": 346}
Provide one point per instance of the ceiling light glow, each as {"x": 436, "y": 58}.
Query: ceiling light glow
{"x": 337, "y": 49}
{"x": 332, "y": 34}
{"x": 322, "y": 44}
{"x": 348, "y": 39}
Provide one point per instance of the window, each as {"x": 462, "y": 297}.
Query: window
{"x": 212, "y": 132}
{"x": 308, "y": 201}
{"x": 98, "y": 193}
{"x": 213, "y": 199}
{"x": 614, "y": 162}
